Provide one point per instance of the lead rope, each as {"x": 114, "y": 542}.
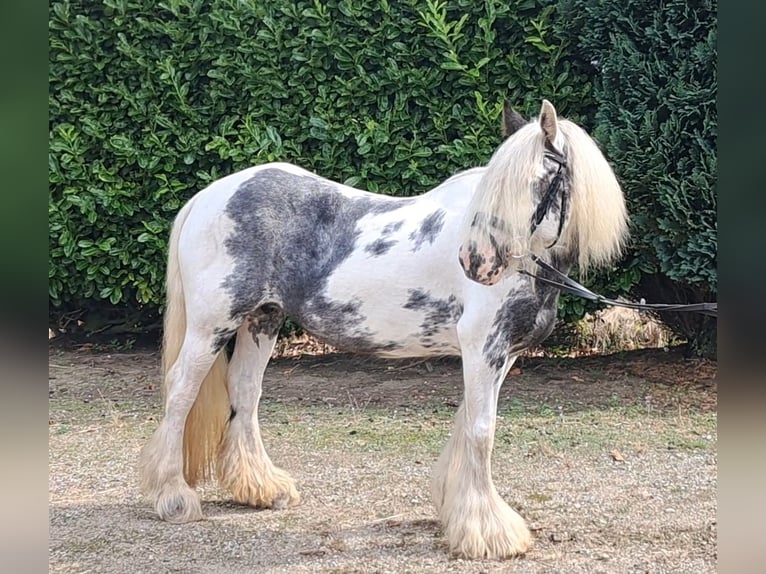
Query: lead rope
{"x": 571, "y": 286}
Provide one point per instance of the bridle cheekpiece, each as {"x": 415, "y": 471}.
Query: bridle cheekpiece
{"x": 555, "y": 188}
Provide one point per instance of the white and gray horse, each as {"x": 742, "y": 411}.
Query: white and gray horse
{"x": 437, "y": 274}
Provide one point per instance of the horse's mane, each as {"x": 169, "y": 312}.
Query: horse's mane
{"x": 599, "y": 221}
{"x": 503, "y": 204}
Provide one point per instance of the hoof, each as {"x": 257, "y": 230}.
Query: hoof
{"x": 178, "y": 504}
{"x": 277, "y": 493}
{"x": 497, "y": 546}
{"x": 286, "y": 499}
{"x": 264, "y": 487}
{"x": 484, "y": 527}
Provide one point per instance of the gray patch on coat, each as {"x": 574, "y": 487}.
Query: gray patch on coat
{"x": 526, "y": 317}
{"x": 291, "y": 232}
{"x": 266, "y": 319}
{"x": 379, "y": 246}
{"x": 341, "y": 324}
{"x": 475, "y": 260}
{"x": 438, "y": 314}
{"x": 428, "y": 230}
{"x": 392, "y": 227}
{"x": 520, "y": 322}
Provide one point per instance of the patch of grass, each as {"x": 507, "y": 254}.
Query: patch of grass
{"x": 539, "y": 497}
{"x": 424, "y": 432}
{"x": 678, "y": 442}
{"x": 348, "y": 429}
{"x": 606, "y": 429}
{"x": 59, "y": 429}
{"x": 72, "y": 415}
{"x": 90, "y": 546}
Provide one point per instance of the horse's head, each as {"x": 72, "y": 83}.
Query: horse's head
{"x": 532, "y": 166}
{"x": 533, "y": 199}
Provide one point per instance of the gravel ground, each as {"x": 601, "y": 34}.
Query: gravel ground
{"x": 612, "y": 461}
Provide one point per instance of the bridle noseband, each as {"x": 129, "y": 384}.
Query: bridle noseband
{"x": 556, "y": 186}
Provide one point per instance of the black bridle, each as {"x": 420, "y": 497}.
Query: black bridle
{"x": 565, "y": 283}
{"x": 555, "y": 189}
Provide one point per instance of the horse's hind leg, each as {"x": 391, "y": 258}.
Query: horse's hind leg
{"x": 243, "y": 466}
{"x": 162, "y": 459}
{"x": 477, "y": 521}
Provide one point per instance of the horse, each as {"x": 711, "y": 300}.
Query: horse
{"x": 442, "y": 273}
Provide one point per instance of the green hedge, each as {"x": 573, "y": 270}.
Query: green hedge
{"x": 655, "y": 83}
{"x": 150, "y": 101}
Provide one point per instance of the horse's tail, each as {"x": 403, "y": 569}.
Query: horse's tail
{"x": 206, "y": 422}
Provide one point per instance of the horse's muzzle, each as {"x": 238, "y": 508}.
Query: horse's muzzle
{"x": 485, "y": 266}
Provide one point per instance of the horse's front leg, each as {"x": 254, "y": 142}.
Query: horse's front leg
{"x": 476, "y": 520}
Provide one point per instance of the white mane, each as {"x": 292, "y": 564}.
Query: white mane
{"x": 504, "y": 204}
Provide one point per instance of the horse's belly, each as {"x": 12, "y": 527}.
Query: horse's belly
{"x": 408, "y": 322}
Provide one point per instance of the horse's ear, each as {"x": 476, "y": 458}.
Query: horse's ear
{"x": 548, "y": 121}
{"x": 512, "y": 120}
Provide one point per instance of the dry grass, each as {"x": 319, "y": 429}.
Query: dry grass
{"x": 610, "y": 330}
{"x": 363, "y": 463}
{"x": 620, "y": 329}
{"x": 364, "y": 478}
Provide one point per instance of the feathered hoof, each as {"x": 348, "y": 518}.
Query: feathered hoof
{"x": 178, "y": 503}
{"x": 487, "y": 528}
{"x": 498, "y": 546}
{"x": 271, "y": 488}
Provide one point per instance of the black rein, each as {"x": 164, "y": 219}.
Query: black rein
{"x": 571, "y": 286}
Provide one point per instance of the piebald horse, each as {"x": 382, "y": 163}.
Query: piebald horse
{"x": 436, "y": 274}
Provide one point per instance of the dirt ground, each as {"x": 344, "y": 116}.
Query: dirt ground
{"x": 611, "y": 459}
